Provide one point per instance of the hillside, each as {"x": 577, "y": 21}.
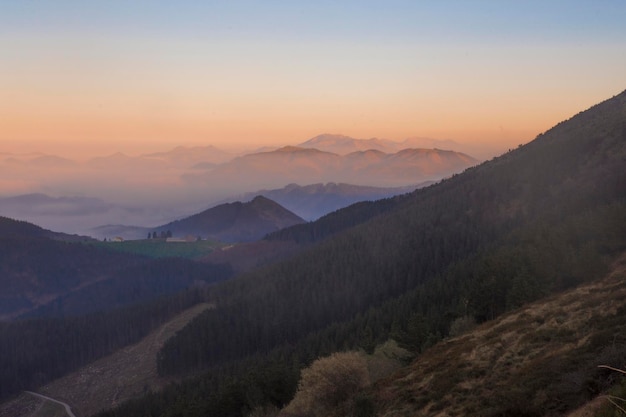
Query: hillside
{"x": 44, "y": 273}
{"x": 534, "y": 222}
{"x": 234, "y": 222}
{"x": 102, "y": 384}
{"x": 343, "y": 145}
{"x": 539, "y": 360}
{"x": 10, "y": 228}
{"x": 316, "y": 200}
{"x": 537, "y": 221}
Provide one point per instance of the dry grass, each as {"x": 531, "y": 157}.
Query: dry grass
{"x": 23, "y": 405}
{"x": 531, "y": 362}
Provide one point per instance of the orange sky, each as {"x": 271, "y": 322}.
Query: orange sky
{"x": 134, "y": 88}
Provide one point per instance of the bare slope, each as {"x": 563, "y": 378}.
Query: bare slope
{"x": 540, "y": 360}
{"x": 126, "y": 374}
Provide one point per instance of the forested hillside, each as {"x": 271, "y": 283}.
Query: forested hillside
{"x": 34, "y": 352}
{"x": 18, "y": 228}
{"x": 538, "y": 220}
{"x": 43, "y": 276}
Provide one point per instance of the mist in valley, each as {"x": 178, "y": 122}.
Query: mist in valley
{"x": 75, "y": 195}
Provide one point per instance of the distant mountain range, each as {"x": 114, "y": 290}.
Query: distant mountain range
{"x": 152, "y": 188}
{"x": 310, "y": 165}
{"x": 342, "y": 145}
{"x": 181, "y": 157}
{"x": 42, "y": 204}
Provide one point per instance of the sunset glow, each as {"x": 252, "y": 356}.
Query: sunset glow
{"x": 131, "y": 76}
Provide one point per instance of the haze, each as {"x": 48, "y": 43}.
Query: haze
{"x": 85, "y": 79}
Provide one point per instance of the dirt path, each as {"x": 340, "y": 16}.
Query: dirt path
{"x": 127, "y": 373}
{"x": 68, "y": 410}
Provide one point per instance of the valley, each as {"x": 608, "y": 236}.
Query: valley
{"x": 128, "y": 373}
{"x": 503, "y": 282}
{"x": 129, "y": 195}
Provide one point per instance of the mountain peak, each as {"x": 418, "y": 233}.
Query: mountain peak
{"x": 236, "y": 222}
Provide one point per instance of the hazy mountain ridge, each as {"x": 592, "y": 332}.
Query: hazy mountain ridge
{"x": 43, "y": 204}
{"x": 151, "y": 188}
{"x": 344, "y": 145}
{"x": 309, "y": 165}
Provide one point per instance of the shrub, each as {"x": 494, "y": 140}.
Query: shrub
{"x": 330, "y": 385}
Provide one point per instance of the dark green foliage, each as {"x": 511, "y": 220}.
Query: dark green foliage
{"x": 532, "y": 222}
{"x": 84, "y": 277}
{"x": 21, "y": 229}
{"x": 336, "y": 221}
{"x": 34, "y": 352}
{"x": 41, "y": 265}
{"x": 136, "y": 284}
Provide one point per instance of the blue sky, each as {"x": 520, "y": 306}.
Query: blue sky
{"x": 477, "y": 20}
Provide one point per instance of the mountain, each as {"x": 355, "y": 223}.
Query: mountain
{"x": 542, "y": 359}
{"x": 38, "y": 160}
{"x": 344, "y": 145}
{"x": 291, "y": 164}
{"x": 42, "y": 204}
{"x": 122, "y": 162}
{"x": 181, "y": 157}
{"x": 48, "y": 273}
{"x": 112, "y": 231}
{"x": 52, "y": 161}
{"x": 235, "y": 222}
{"x": 188, "y": 157}
{"x": 10, "y": 228}
{"x": 316, "y": 200}
{"x": 537, "y": 221}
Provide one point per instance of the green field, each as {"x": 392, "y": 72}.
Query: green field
{"x": 159, "y": 248}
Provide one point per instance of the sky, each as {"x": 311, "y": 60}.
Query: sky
{"x": 102, "y": 76}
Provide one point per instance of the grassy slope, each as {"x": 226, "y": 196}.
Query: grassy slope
{"x": 126, "y": 374}
{"x": 159, "y": 248}
{"x": 539, "y": 360}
